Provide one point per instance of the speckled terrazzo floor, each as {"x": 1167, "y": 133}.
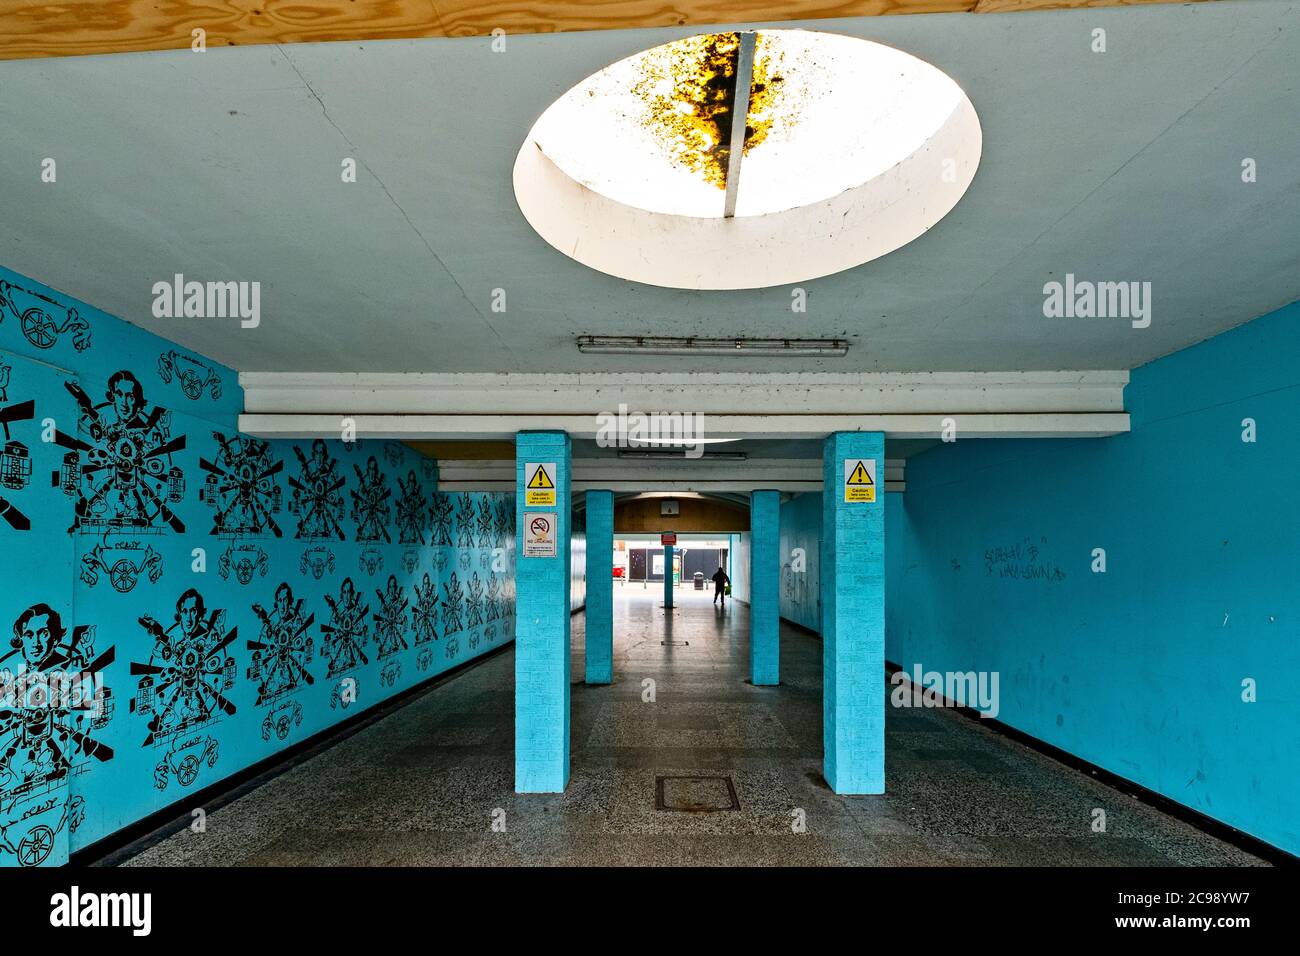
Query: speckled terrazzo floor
{"x": 421, "y": 785}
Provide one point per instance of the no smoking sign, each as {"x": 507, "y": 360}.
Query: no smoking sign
{"x": 539, "y": 534}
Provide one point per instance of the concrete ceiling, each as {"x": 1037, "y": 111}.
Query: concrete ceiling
{"x": 1123, "y": 165}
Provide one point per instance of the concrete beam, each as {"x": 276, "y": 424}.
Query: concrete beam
{"x": 762, "y": 394}
{"x": 932, "y": 425}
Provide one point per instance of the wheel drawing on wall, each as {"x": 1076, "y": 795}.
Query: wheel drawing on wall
{"x": 39, "y": 328}
{"x": 122, "y": 576}
{"x": 282, "y": 726}
{"x": 188, "y": 770}
{"x": 36, "y": 846}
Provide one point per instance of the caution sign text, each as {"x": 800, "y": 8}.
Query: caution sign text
{"x": 859, "y": 479}
{"x": 539, "y": 484}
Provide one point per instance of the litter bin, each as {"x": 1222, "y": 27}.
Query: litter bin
{"x": 699, "y": 580}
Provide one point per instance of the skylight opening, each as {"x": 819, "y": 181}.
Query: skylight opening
{"x": 834, "y": 126}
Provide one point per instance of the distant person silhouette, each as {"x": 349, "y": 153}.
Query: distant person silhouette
{"x": 720, "y": 581}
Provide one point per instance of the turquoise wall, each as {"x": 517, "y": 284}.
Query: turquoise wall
{"x": 741, "y": 552}
{"x": 235, "y": 596}
{"x": 1139, "y": 669}
{"x": 801, "y": 525}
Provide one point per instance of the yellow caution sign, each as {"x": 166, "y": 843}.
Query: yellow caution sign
{"x": 859, "y": 479}
{"x": 539, "y": 484}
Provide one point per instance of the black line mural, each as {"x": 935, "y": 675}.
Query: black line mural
{"x": 424, "y": 614}
{"x": 129, "y": 479}
{"x": 41, "y": 318}
{"x": 440, "y": 516}
{"x": 495, "y": 599}
{"x": 317, "y": 497}
{"x": 344, "y": 636}
{"x": 124, "y": 562}
{"x": 133, "y": 477}
{"x": 390, "y": 620}
{"x": 240, "y": 486}
{"x": 370, "y": 508}
{"x": 371, "y": 561}
{"x": 243, "y": 561}
{"x": 53, "y": 703}
{"x": 16, "y": 457}
{"x": 283, "y": 648}
{"x": 183, "y": 687}
{"x": 193, "y": 376}
{"x": 452, "y": 605}
{"x": 317, "y": 562}
{"x": 474, "y": 601}
{"x": 487, "y": 532}
{"x": 464, "y": 520}
{"x": 410, "y": 510}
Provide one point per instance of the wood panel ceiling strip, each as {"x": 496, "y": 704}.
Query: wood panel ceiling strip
{"x": 30, "y": 29}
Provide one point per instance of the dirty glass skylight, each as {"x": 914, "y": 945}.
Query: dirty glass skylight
{"x": 826, "y": 114}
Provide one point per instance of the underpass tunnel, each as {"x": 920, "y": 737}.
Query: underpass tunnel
{"x": 606, "y": 437}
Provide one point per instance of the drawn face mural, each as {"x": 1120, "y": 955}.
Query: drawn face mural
{"x": 241, "y": 486}
{"x": 283, "y": 649}
{"x": 390, "y": 620}
{"x": 46, "y": 736}
{"x": 474, "y": 601}
{"x": 370, "y": 508}
{"x": 345, "y": 635}
{"x": 452, "y": 605}
{"x": 183, "y": 686}
{"x": 317, "y": 495}
{"x": 441, "y": 517}
{"x": 128, "y": 478}
{"x": 37, "y": 633}
{"x": 425, "y": 612}
{"x": 410, "y": 511}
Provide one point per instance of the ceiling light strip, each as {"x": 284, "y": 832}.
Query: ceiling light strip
{"x": 662, "y": 345}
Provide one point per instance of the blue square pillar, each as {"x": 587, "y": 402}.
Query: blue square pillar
{"x": 853, "y": 611}
{"x": 542, "y": 514}
{"x": 668, "y": 577}
{"x": 764, "y": 587}
{"x": 600, "y": 587}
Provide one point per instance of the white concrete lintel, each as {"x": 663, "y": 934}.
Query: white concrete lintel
{"x": 714, "y": 393}
{"x": 503, "y": 427}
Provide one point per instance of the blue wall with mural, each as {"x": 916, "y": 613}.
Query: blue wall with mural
{"x": 223, "y": 597}
{"x": 1139, "y": 669}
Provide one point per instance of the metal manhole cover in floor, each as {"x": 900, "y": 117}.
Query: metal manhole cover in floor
{"x": 697, "y": 794}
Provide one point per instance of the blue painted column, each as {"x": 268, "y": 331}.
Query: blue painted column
{"x": 600, "y": 587}
{"x": 542, "y": 616}
{"x": 764, "y": 583}
{"x": 853, "y": 612}
{"x": 668, "y": 577}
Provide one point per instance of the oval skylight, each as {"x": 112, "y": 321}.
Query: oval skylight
{"x": 848, "y": 150}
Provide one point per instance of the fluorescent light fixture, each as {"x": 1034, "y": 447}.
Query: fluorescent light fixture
{"x": 661, "y": 345}
{"x": 678, "y": 456}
